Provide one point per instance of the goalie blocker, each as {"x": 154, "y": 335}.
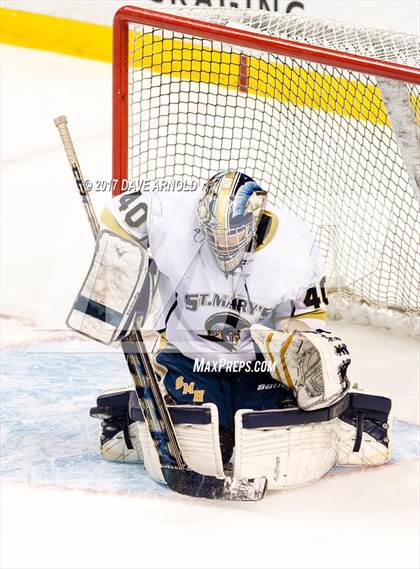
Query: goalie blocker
{"x": 289, "y": 446}
{"x": 112, "y": 293}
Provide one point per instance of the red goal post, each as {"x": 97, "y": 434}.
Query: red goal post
{"x": 209, "y": 31}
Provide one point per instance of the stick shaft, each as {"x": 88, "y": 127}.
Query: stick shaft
{"x": 155, "y": 410}
{"x": 61, "y": 124}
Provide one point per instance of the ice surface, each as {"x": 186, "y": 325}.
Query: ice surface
{"x": 48, "y": 436}
{"x": 61, "y": 506}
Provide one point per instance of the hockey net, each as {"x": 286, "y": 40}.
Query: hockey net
{"x": 335, "y": 143}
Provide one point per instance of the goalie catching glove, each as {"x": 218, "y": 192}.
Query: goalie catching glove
{"x": 312, "y": 363}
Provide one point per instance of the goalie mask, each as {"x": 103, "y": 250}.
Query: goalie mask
{"x": 229, "y": 211}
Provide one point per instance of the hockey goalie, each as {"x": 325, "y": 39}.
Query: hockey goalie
{"x": 255, "y": 383}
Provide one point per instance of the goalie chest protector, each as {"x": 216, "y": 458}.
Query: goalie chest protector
{"x": 281, "y": 270}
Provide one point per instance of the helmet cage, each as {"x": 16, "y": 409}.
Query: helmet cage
{"x": 229, "y": 245}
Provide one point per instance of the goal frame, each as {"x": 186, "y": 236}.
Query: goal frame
{"x": 233, "y": 36}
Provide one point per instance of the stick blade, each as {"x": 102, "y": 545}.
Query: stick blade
{"x": 198, "y": 485}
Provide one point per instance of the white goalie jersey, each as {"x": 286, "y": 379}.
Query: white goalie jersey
{"x": 207, "y": 313}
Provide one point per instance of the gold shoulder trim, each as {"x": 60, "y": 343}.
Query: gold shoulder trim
{"x": 319, "y": 314}
{"x": 109, "y": 220}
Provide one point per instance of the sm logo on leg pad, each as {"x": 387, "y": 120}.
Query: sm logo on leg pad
{"x": 188, "y": 389}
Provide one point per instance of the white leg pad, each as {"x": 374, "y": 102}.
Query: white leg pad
{"x": 150, "y": 455}
{"x": 116, "y": 449}
{"x": 289, "y": 456}
{"x": 199, "y": 444}
{"x": 374, "y": 450}
{"x": 371, "y": 453}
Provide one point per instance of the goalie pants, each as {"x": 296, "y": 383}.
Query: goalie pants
{"x": 228, "y": 390}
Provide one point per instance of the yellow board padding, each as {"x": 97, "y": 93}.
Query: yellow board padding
{"x": 197, "y": 61}
{"x": 71, "y": 37}
{"x": 267, "y": 77}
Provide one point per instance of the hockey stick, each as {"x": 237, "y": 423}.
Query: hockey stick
{"x": 178, "y": 476}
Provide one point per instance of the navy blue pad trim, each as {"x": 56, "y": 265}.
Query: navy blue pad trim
{"x": 192, "y": 415}
{"x": 97, "y": 310}
{"x": 136, "y": 414}
{"x": 368, "y": 403}
{"x": 372, "y": 406}
{"x": 179, "y": 415}
{"x": 134, "y": 411}
{"x": 114, "y": 400}
{"x": 293, "y": 416}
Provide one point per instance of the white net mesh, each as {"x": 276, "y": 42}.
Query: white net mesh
{"x": 318, "y": 138}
